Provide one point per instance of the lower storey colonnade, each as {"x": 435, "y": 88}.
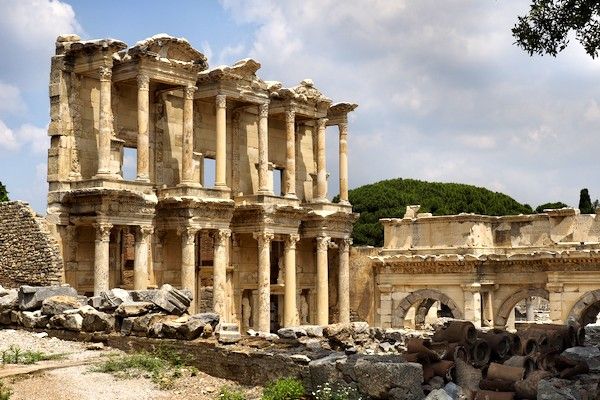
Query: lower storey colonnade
{"x": 263, "y": 280}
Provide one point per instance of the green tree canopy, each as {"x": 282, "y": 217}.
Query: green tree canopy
{"x": 389, "y": 198}
{"x": 547, "y": 26}
{"x": 3, "y": 193}
{"x": 585, "y": 202}
{"x": 550, "y": 206}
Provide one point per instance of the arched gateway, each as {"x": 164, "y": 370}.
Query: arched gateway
{"x": 509, "y": 304}
{"x": 423, "y": 299}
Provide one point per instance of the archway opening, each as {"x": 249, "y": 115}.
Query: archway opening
{"x": 424, "y": 307}
{"x": 525, "y": 305}
{"x": 586, "y": 313}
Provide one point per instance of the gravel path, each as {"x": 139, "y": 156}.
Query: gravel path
{"x": 79, "y": 382}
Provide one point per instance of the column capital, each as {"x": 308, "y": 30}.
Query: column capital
{"x": 221, "y": 101}
{"x": 322, "y": 123}
{"x": 188, "y": 92}
{"x": 144, "y": 231}
{"x": 323, "y": 242}
{"x": 187, "y": 233}
{"x": 102, "y": 231}
{"x": 143, "y": 82}
{"x": 343, "y": 128}
{"x": 263, "y": 110}
{"x": 221, "y": 235}
{"x": 345, "y": 244}
{"x": 290, "y": 115}
{"x": 105, "y": 73}
{"x": 291, "y": 241}
{"x": 265, "y": 237}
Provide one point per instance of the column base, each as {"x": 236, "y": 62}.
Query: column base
{"x": 265, "y": 192}
{"x": 344, "y": 202}
{"x": 142, "y": 179}
{"x": 189, "y": 184}
{"x": 320, "y": 200}
{"x": 291, "y": 196}
{"x": 108, "y": 175}
{"x": 222, "y": 186}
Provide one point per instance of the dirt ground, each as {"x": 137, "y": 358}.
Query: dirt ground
{"x": 71, "y": 377}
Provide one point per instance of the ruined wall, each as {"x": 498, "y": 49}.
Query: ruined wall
{"x": 28, "y": 253}
{"x": 362, "y": 283}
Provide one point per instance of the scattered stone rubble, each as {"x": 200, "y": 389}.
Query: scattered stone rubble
{"x": 453, "y": 361}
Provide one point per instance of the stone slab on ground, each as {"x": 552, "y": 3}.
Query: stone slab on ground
{"x": 32, "y": 297}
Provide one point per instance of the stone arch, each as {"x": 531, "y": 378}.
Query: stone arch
{"x": 586, "y": 308}
{"x": 505, "y": 309}
{"x": 423, "y": 299}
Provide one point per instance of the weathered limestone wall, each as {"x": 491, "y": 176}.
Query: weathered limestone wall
{"x": 28, "y": 252}
{"x": 362, "y": 283}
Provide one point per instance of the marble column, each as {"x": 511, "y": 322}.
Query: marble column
{"x": 140, "y": 265}
{"x": 344, "y": 280}
{"x": 143, "y": 151}
{"x": 529, "y": 310}
{"x": 343, "y": 169}
{"x": 322, "y": 280}
{"x": 321, "y": 164}
{"x": 263, "y": 150}
{"x": 188, "y": 262}
{"x": 187, "y": 160}
{"x": 290, "y": 307}
{"x": 101, "y": 263}
{"x": 263, "y": 309}
{"x": 105, "y": 122}
{"x": 290, "y": 164}
{"x": 472, "y": 296}
{"x": 221, "y": 260}
{"x": 221, "y": 166}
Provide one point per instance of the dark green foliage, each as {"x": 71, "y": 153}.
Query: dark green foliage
{"x": 550, "y": 206}
{"x": 3, "y": 193}
{"x": 585, "y": 202}
{"x": 547, "y": 26}
{"x": 388, "y": 199}
{"x": 5, "y": 391}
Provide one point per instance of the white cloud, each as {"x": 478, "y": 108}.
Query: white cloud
{"x": 34, "y": 137}
{"x": 8, "y": 141}
{"x": 480, "y": 142}
{"x": 11, "y": 101}
{"x": 29, "y": 29}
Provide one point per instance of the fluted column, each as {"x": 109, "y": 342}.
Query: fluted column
{"x": 140, "y": 265}
{"x": 290, "y": 165}
{"x": 322, "y": 281}
{"x": 143, "y": 152}
{"x": 188, "y": 262}
{"x": 104, "y": 122}
{"x": 221, "y": 259}
{"x": 290, "y": 308}
{"x": 264, "y": 281}
{"x": 321, "y": 165}
{"x": 343, "y": 127}
{"x": 263, "y": 150}
{"x": 187, "y": 161}
{"x": 101, "y": 266}
{"x": 344, "y": 280}
{"x": 221, "y": 166}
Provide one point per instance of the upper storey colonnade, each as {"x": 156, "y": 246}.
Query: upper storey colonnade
{"x": 165, "y": 72}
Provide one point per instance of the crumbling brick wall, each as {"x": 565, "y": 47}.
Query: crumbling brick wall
{"x": 28, "y": 252}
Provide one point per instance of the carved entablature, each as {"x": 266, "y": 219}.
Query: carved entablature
{"x": 168, "y": 49}
{"x": 305, "y": 92}
{"x": 337, "y": 225}
{"x": 280, "y": 220}
{"x": 86, "y": 56}
{"x": 173, "y": 212}
{"x": 238, "y": 81}
{"x": 338, "y": 113}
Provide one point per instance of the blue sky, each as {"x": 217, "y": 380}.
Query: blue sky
{"x": 443, "y": 94}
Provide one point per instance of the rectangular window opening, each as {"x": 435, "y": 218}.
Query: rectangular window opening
{"x": 209, "y": 172}
{"x": 278, "y": 179}
{"x": 129, "y": 167}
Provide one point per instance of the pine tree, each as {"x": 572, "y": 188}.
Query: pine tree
{"x": 585, "y": 202}
{"x": 3, "y": 193}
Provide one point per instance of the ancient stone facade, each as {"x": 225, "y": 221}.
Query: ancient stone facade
{"x": 269, "y": 256}
{"x": 479, "y": 267}
{"x": 28, "y": 253}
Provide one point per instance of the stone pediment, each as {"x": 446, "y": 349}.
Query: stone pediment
{"x": 305, "y": 92}
{"x": 243, "y": 70}
{"x": 168, "y": 48}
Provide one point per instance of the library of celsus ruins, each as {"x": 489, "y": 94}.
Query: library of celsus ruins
{"x": 273, "y": 257}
